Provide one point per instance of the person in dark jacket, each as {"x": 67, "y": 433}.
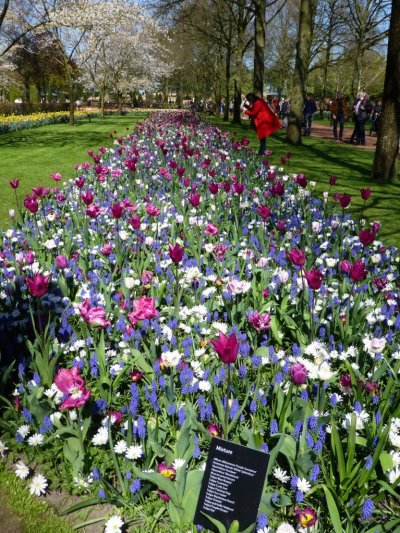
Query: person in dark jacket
{"x": 362, "y": 111}
{"x": 264, "y": 119}
{"x": 339, "y": 112}
{"x": 310, "y": 107}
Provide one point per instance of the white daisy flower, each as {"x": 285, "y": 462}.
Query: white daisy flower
{"x": 36, "y": 439}
{"x": 285, "y": 528}
{"x": 38, "y": 485}
{"x": 3, "y": 448}
{"x": 120, "y": 447}
{"x": 101, "y": 437}
{"x": 114, "y": 524}
{"x": 178, "y": 463}
{"x": 134, "y": 452}
{"x": 21, "y": 470}
{"x": 303, "y": 485}
{"x": 23, "y": 430}
{"x": 281, "y": 475}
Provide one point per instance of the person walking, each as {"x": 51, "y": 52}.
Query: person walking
{"x": 264, "y": 119}
{"x": 340, "y": 112}
{"x": 310, "y": 107}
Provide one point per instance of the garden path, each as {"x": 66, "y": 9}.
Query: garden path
{"x": 324, "y": 131}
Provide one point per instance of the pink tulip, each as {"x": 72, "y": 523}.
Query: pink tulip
{"x": 307, "y": 518}
{"x": 94, "y": 316}
{"x": 152, "y": 210}
{"x": 366, "y": 236}
{"x": 143, "y": 309}
{"x": 14, "y": 184}
{"x": 365, "y": 194}
{"x": 343, "y": 199}
{"x": 259, "y": 322}
{"x": 211, "y": 229}
{"x": 135, "y": 221}
{"x": 214, "y": 430}
{"x": 93, "y": 211}
{"x": 71, "y": 382}
{"x": 213, "y": 188}
{"x": 166, "y": 471}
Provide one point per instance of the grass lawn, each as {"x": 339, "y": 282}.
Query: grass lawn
{"x": 33, "y": 154}
{"x": 319, "y": 159}
{"x": 22, "y": 513}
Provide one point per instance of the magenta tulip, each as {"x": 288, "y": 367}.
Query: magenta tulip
{"x": 297, "y": 257}
{"x": 31, "y": 203}
{"x": 176, "y": 253}
{"x": 38, "y": 285}
{"x": 61, "y": 261}
{"x": 358, "y": 272}
{"x": 314, "y": 278}
{"x": 264, "y": 211}
{"x": 367, "y": 236}
{"x": 298, "y": 373}
{"x": 227, "y": 349}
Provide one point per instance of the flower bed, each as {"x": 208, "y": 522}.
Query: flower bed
{"x": 10, "y": 123}
{"x": 180, "y": 288}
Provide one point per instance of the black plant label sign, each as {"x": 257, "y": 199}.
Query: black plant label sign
{"x": 232, "y": 485}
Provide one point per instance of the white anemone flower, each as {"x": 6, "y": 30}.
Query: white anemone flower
{"x": 38, "y": 485}
{"x": 21, "y": 470}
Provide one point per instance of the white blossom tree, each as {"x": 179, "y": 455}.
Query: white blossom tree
{"x": 114, "y": 41}
{"x": 127, "y": 56}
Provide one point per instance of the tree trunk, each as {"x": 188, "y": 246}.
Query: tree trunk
{"x": 102, "y": 98}
{"x": 228, "y": 74}
{"x": 238, "y": 76}
{"x": 303, "y": 47}
{"x": 325, "y": 70}
{"x": 27, "y": 90}
{"x": 259, "y": 47}
{"x": 356, "y": 82}
{"x": 71, "y": 99}
{"x": 387, "y": 147}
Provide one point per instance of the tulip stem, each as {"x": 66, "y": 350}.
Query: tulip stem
{"x": 228, "y": 388}
{"x": 177, "y": 291}
{"x": 38, "y": 315}
{"x": 312, "y": 317}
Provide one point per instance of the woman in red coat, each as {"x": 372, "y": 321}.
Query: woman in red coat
{"x": 264, "y": 119}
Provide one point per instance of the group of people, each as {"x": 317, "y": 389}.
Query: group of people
{"x": 266, "y": 115}
{"x": 361, "y": 110}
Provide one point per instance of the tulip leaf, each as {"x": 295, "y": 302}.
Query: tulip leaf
{"x": 333, "y": 510}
